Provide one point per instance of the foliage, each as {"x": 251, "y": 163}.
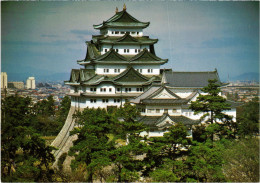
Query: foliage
{"x": 92, "y": 147}
{"x": 46, "y": 120}
{"x": 124, "y": 157}
{"x": 165, "y": 154}
{"x": 248, "y": 120}
{"x": 25, "y": 157}
{"x": 205, "y": 162}
{"x": 242, "y": 160}
{"x": 211, "y": 104}
{"x": 61, "y": 160}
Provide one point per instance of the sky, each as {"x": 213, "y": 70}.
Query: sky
{"x": 47, "y": 38}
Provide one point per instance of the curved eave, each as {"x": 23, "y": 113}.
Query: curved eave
{"x": 127, "y": 43}
{"x": 83, "y": 62}
{"x": 124, "y": 25}
{"x": 71, "y": 84}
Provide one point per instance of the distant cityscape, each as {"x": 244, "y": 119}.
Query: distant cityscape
{"x": 240, "y": 91}
{"x": 37, "y": 91}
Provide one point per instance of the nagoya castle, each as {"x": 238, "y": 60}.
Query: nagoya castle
{"x": 121, "y": 65}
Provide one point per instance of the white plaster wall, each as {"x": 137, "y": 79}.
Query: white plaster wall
{"x": 107, "y": 86}
{"x": 170, "y": 111}
{"x": 109, "y": 32}
{"x": 156, "y": 69}
{"x": 122, "y": 47}
{"x": 100, "y": 69}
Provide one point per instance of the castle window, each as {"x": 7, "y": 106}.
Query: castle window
{"x": 143, "y": 110}
{"x": 105, "y": 50}
{"x": 137, "y": 89}
{"x": 127, "y": 50}
{"x": 126, "y": 89}
{"x": 135, "y": 50}
{"x": 122, "y": 32}
{"x": 137, "y": 33}
{"x": 106, "y": 70}
{"x": 139, "y": 50}
{"x": 116, "y": 32}
{"x": 93, "y": 100}
{"x": 149, "y": 70}
{"x": 132, "y": 32}
{"x": 117, "y": 50}
{"x": 124, "y": 50}
{"x": 174, "y": 110}
{"x": 141, "y": 89}
{"x": 113, "y": 32}
{"x": 118, "y": 89}
{"x": 116, "y": 100}
{"x": 110, "y": 89}
{"x": 105, "y": 100}
{"x": 93, "y": 89}
{"x": 150, "y": 111}
{"x": 158, "y": 110}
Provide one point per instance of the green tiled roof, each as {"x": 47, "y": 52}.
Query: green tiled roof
{"x": 79, "y": 75}
{"x": 122, "y": 19}
{"x": 154, "y": 121}
{"x": 146, "y": 56}
{"x": 92, "y": 52}
{"x": 130, "y": 75}
{"x": 111, "y": 55}
{"x": 126, "y": 39}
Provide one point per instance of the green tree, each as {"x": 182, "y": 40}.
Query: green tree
{"x": 165, "y": 154}
{"x": 124, "y": 156}
{"x": 205, "y": 162}
{"x": 248, "y": 119}
{"x": 212, "y": 104}
{"x": 92, "y": 147}
{"x": 25, "y": 157}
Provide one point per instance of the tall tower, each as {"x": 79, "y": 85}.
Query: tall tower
{"x": 120, "y": 64}
{"x": 30, "y": 83}
{"x": 3, "y": 80}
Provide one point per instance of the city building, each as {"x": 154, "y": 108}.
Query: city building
{"x": 30, "y": 83}
{"x": 4, "y": 80}
{"x": 16, "y": 84}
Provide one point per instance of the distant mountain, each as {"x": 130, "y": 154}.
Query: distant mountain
{"x": 249, "y": 76}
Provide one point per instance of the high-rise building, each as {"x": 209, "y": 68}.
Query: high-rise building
{"x": 3, "y": 80}
{"x": 30, "y": 83}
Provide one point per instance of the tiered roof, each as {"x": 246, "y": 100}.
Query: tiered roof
{"x": 130, "y": 77}
{"x": 112, "y": 57}
{"x": 126, "y": 39}
{"x": 122, "y": 19}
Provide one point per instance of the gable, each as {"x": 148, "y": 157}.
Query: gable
{"x": 164, "y": 94}
{"x": 127, "y": 38}
{"x": 131, "y": 75}
{"x": 111, "y": 56}
{"x": 165, "y": 122}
